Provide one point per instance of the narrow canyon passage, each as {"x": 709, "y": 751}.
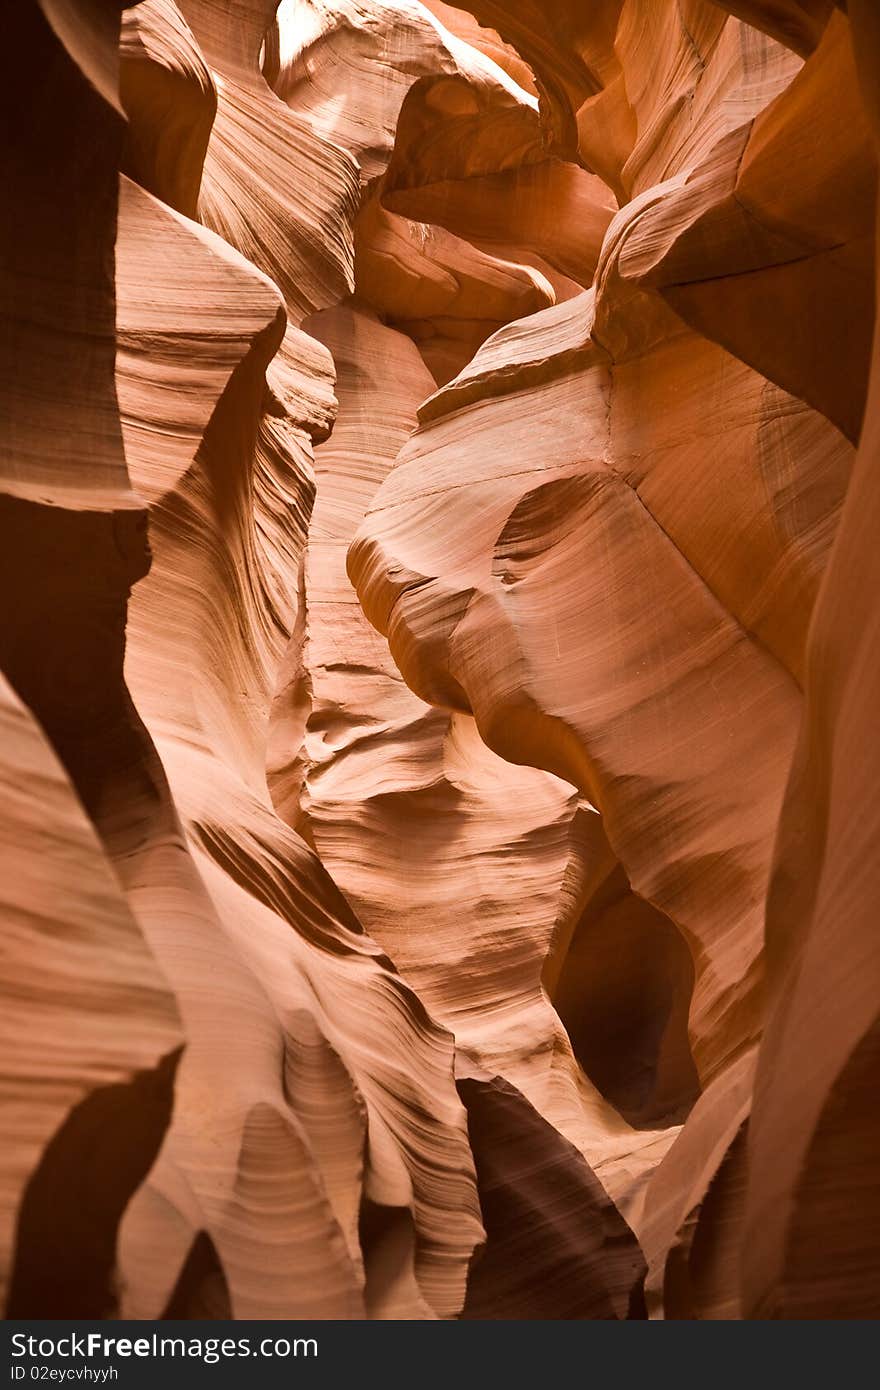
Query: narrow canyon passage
{"x": 439, "y": 500}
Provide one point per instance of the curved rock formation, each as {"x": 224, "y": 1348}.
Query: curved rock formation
{"x": 439, "y": 504}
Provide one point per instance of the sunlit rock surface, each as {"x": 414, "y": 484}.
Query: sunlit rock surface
{"x": 439, "y": 664}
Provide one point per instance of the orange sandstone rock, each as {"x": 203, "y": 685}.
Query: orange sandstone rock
{"x": 438, "y": 505}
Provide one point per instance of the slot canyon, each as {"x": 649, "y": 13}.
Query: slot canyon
{"x": 440, "y": 510}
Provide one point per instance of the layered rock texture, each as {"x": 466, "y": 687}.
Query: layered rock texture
{"x": 440, "y": 498}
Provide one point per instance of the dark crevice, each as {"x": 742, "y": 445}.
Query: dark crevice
{"x": 201, "y": 1290}
{"x": 556, "y": 1245}
{"x": 624, "y": 995}
{"x": 387, "y": 1240}
{"x": 69, "y": 1216}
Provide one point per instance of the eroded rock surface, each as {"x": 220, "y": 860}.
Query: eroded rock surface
{"x": 439, "y": 500}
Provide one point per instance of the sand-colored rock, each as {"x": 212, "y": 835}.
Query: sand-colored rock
{"x": 99, "y": 1011}
{"x": 810, "y": 1228}
{"x": 438, "y": 506}
{"x": 307, "y": 1121}
{"x": 475, "y": 632}
{"x": 170, "y": 100}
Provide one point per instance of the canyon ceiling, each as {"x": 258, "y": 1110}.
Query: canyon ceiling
{"x": 440, "y": 507}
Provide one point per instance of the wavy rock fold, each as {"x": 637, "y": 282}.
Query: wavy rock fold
{"x": 439, "y": 501}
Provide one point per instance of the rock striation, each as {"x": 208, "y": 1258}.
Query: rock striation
{"x": 439, "y": 500}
